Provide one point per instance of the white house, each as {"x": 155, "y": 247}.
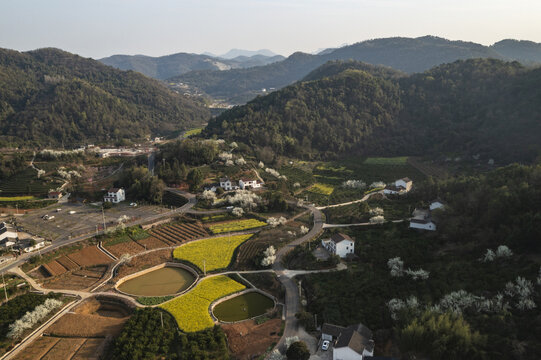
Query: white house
{"x": 339, "y": 244}
{"x": 248, "y": 183}
{"x": 422, "y": 220}
{"x": 437, "y": 204}
{"x": 115, "y": 195}
{"x": 212, "y": 187}
{"x": 8, "y": 235}
{"x": 351, "y": 343}
{"x": 400, "y": 186}
{"x": 29, "y": 248}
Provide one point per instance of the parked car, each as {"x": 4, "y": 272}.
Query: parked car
{"x": 45, "y": 217}
{"x": 133, "y": 204}
{"x": 72, "y": 212}
{"x": 58, "y": 210}
{"x": 325, "y": 345}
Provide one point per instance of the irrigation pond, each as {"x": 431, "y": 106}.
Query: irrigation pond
{"x": 242, "y": 307}
{"x": 167, "y": 280}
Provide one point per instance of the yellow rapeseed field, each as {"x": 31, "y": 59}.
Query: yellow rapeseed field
{"x": 191, "y": 310}
{"x": 216, "y": 252}
{"x": 323, "y": 189}
{"x": 237, "y": 225}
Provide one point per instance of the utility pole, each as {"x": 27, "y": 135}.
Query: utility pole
{"x": 5, "y": 291}
{"x": 103, "y": 216}
{"x": 315, "y": 320}
{"x": 161, "y": 318}
{"x": 204, "y": 267}
{"x": 96, "y": 229}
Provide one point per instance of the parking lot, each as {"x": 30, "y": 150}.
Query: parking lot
{"x": 322, "y": 354}
{"x": 74, "y": 219}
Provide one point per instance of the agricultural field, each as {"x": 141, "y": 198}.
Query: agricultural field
{"x": 173, "y": 199}
{"x": 400, "y": 160}
{"x": 85, "y": 257}
{"x": 16, "y": 198}
{"x": 236, "y": 225}
{"x": 80, "y": 334}
{"x": 323, "y": 189}
{"x": 192, "y": 132}
{"x": 76, "y": 280}
{"x": 213, "y": 253}
{"x": 176, "y": 233}
{"x": 26, "y": 182}
{"x": 191, "y": 310}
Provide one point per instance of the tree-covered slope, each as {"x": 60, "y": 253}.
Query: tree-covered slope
{"x": 479, "y": 106}
{"x": 327, "y": 116}
{"x": 410, "y": 55}
{"x": 49, "y": 96}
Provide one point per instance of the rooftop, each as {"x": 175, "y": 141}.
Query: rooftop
{"x": 338, "y": 237}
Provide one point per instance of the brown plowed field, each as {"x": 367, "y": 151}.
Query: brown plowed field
{"x": 67, "y": 263}
{"x": 54, "y": 268}
{"x": 152, "y": 243}
{"x": 128, "y": 247}
{"x": 143, "y": 262}
{"x": 90, "y": 256}
{"x": 77, "y": 280}
{"x": 247, "y": 340}
{"x": 79, "y": 334}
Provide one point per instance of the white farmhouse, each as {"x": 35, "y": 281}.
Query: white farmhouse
{"x": 115, "y": 195}
{"x": 339, "y": 244}
{"x": 422, "y": 220}
{"x": 249, "y": 183}
{"x": 351, "y": 343}
{"x": 8, "y": 235}
{"x": 400, "y": 186}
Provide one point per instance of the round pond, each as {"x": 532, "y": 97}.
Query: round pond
{"x": 165, "y": 281}
{"x": 243, "y": 307}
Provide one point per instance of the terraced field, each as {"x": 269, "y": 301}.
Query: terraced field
{"x": 175, "y": 234}
{"x": 236, "y": 225}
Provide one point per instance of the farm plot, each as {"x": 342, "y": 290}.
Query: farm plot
{"x": 79, "y": 334}
{"x": 213, "y": 253}
{"x": 27, "y": 183}
{"x": 76, "y": 280}
{"x": 178, "y": 233}
{"x": 323, "y": 189}
{"x": 191, "y": 310}
{"x": 54, "y": 268}
{"x": 152, "y": 243}
{"x": 90, "y": 256}
{"x": 129, "y": 247}
{"x": 233, "y": 226}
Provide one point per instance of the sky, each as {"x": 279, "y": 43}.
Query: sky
{"x": 100, "y": 28}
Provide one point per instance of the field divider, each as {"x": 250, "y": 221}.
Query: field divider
{"x": 106, "y": 252}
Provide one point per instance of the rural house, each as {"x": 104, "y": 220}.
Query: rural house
{"x": 350, "y": 343}
{"x": 437, "y": 204}
{"x": 400, "y": 186}
{"x": 115, "y": 195}
{"x": 339, "y": 244}
{"x": 249, "y": 183}
{"x": 422, "y": 219}
{"x": 54, "y": 195}
{"x": 8, "y": 235}
{"x": 227, "y": 184}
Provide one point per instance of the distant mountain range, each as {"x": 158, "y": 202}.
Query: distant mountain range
{"x": 410, "y": 55}
{"x": 50, "y": 97}
{"x": 486, "y": 108}
{"x": 164, "y": 67}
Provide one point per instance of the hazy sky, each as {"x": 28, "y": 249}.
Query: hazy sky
{"x": 99, "y": 28}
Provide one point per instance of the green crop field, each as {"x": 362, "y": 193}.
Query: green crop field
{"x": 400, "y": 160}
{"x": 17, "y": 198}
{"x": 322, "y": 189}
{"x": 238, "y": 225}
{"x": 212, "y": 254}
{"x": 191, "y": 310}
{"x": 191, "y": 132}
{"x": 26, "y": 182}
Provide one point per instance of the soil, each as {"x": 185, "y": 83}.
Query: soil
{"x": 90, "y": 256}
{"x": 247, "y": 339}
{"x": 144, "y": 262}
{"x": 81, "y": 334}
{"x": 77, "y": 280}
{"x": 129, "y": 247}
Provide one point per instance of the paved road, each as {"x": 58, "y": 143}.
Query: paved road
{"x": 63, "y": 241}
{"x": 292, "y": 298}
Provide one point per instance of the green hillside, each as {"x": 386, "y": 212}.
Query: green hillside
{"x": 481, "y": 106}
{"x": 50, "y": 97}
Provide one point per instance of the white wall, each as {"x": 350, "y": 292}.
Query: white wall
{"x": 429, "y": 226}
{"x": 345, "y": 353}
{"x": 345, "y": 247}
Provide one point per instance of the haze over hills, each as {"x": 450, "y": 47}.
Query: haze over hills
{"x": 233, "y": 53}
{"x": 164, "y": 67}
{"x": 51, "y": 97}
{"x": 405, "y": 54}
{"x": 477, "y": 106}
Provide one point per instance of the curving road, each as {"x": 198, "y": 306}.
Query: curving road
{"x": 292, "y": 298}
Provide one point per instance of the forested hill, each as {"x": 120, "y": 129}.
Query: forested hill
{"x": 50, "y": 97}
{"x": 410, "y": 55}
{"x": 481, "y": 106}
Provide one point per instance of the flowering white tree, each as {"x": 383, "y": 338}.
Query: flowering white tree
{"x": 539, "y": 277}
{"x": 229, "y": 163}
{"x": 245, "y": 199}
{"x": 503, "y": 251}
{"x": 419, "y": 274}
{"x": 396, "y": 266}
{"x": 489, "y": 256}
{"x": 377, "y": 219}
{"x": 261, "y": 164}
{"x": 304, "y": 230}
{"x": 233, "y": 145}
{"x": 522, "y": 290}
{"x": 274, "y": 222}
{"x": 269, "y": 256}
{"x": 276, "y": 355}
{"x": 291, "y": 340}
{"x": 377, "y": 211}
{"x": 31, "y": 318}
{"x": 377, "y": 184}
{"x": 240, "y": 161}
{"x": 224, "y": 156}
{"x": 237, "y": 211}
{"x": 40, "y": 172}
{"x": 354, "y": 184}
{"x": 209, "y": 195}
{"x": 272, "y": 172}
{"x": 297, "y": 185}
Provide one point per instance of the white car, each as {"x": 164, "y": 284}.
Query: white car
{"x": 133, "y": 204}
{"x": 72, "y": 212}
{"x": 325, "y": 345}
